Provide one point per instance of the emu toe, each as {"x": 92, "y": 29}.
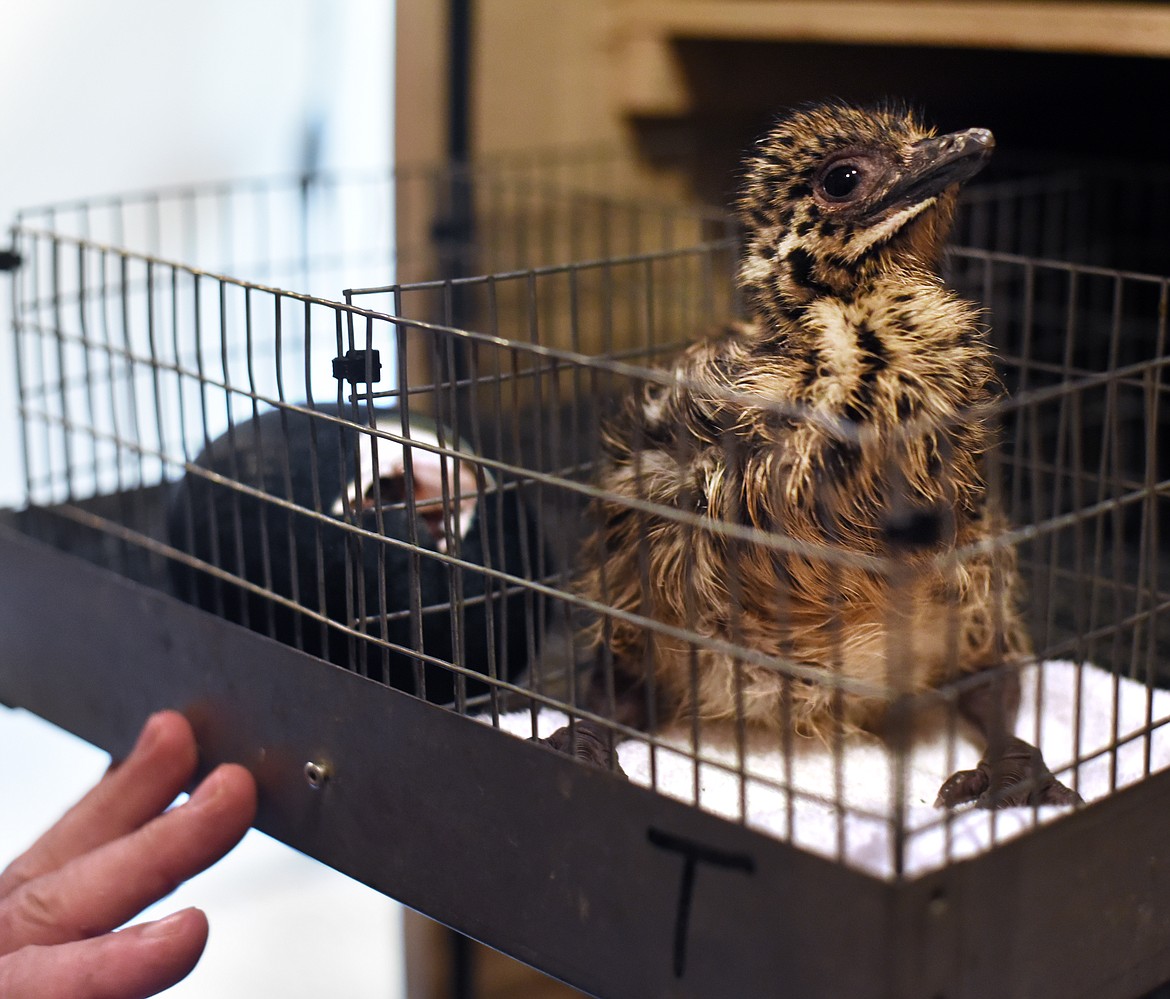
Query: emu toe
{"x": 587, "y": 742}
{"x": 1017, "y": 776}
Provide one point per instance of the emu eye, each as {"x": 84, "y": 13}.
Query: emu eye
{"x": 842, "y": 180}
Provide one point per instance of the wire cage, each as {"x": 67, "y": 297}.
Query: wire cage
{"x": 401, "y": 479}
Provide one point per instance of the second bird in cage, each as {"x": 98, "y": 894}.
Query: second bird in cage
{"x": 361, "y": 535}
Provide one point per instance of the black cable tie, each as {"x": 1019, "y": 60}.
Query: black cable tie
{"x": 10, "y": 260}
{"x": 358, "y": 367}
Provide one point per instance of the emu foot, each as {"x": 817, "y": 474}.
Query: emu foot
{"x": 588, "y": 742}
{"x": 1016, "y": 776}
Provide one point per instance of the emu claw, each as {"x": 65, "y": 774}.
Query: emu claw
{"x": 1017, "y": 776}
{"x": 588, "y": 743}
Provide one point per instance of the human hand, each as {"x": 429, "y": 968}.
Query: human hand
{"x": 111, "y": 855}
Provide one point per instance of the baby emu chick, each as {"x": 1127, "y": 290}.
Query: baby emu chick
{"x": 847, "y": 419}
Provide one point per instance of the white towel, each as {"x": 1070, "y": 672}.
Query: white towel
{"x": 848, "y": 811}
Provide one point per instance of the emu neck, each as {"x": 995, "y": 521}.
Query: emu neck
{"x": 901, "y": 344}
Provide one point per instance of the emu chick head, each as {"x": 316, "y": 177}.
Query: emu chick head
{"x": 836, "y": 195}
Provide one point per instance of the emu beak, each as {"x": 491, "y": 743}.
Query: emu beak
{"x": 936, "y": 164}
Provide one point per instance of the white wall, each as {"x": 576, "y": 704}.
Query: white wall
{"x": 128, "y": 94}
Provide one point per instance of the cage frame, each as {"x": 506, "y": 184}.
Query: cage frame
{"x": 617, "y": 894}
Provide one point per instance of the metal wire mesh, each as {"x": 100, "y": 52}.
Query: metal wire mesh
{"x": 399, "y": 479}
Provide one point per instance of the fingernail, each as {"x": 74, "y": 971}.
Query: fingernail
{"x": 149, "y": 732}
{"x": 146, "y": 738}
{"x": 166, "y": 927}
{"x": 208, "y": 789}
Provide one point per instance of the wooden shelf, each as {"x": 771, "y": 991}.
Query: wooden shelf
{"x": 649, "y": 81}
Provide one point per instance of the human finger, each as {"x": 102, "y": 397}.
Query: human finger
{"x": 132, "y": 792}
{"x": 96, "y": 892}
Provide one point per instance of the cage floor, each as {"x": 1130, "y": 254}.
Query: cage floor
{"x": 844, "y": 799}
